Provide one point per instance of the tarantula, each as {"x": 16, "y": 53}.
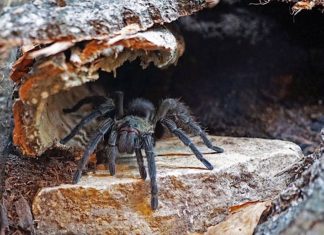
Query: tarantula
{"x": 134, "y": 130}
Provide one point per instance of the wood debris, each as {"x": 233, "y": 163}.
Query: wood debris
{"x": 243, "y": 220}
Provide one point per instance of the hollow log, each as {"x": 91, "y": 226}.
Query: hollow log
{"x": 66, "y": 43}
{"x": 58, "y": 81}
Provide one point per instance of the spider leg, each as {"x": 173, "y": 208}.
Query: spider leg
{"x": 165, "y": 106}
{"x": 112, "y": 152}
{"x": 87, "y": 100}
{"x": 106, "y": 125}
{"x": 122, "y": 146}
{"x": 185, "y": 139}
{"x": 97, "y": 113}
{"x": 130, "y": 142}
{"x": 180, "y": 111}
{"x": 139, "y": 158}
{"x": 148, "y": 146}
{"x": 196, "y": 129}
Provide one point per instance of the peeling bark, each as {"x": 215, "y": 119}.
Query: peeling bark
{"x": 57, "y": 80}
{"x": 299, "y": 209}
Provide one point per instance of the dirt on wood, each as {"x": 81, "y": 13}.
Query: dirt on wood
{"x": 24, "y": 177}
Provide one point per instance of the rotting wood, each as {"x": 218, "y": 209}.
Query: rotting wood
{"x": 56, "y": 81}
{"x": 44, "y": 21}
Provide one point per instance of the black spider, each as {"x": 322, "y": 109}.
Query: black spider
{"x": 134, "y": 130}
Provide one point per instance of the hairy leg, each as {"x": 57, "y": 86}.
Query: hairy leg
{"x": 97, "y": 100}
{"x": 102, "y": 110}
{"x": 148, "y": 146}
{"x": 172, "y": 108}
{"x": 140, "y": 160}
{"x": 112, "y": 152}
{"x": 130, "y": 141}
{"x": 104, "y": 128}
{"x": 185, "y": 139}
{"x": 164, "y": 108}
{"x": 196, "y": 130}
{"x": 122, "y": 138}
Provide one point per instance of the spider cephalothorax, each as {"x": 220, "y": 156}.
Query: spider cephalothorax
{"x": 133, "y": 130}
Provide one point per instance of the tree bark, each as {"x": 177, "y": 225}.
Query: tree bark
{"x": 299, "y": 209}
{"x": 47, "y": 21}
{"x": 6, "y": 88}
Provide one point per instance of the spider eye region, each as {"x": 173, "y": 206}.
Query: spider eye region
{"x": 135, "y": 124}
